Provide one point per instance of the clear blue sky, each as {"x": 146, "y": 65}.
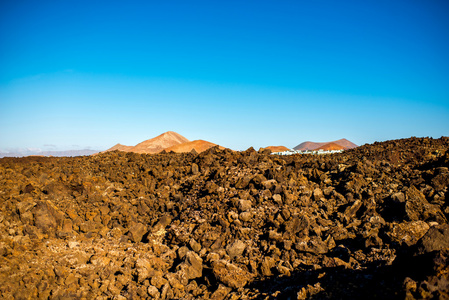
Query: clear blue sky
{"x": 77, "y": 74}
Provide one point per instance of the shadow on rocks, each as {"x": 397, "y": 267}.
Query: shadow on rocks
{"x": 410, "y": 276}
{"x": 373, "y": 282}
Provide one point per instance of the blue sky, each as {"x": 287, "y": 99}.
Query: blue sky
{"x": 78, "y": 74}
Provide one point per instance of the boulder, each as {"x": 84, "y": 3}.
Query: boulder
{"x": 47, "y": 217}
{"x": 236, "y": 249}
{"x": 408, "y": 232}
{"x": 418, "y": 208}
{"x": 221, "y": 292}
{"x": 230, "y": 274}
{"x": 144, "y": 269}
{"x": 244, "y": 205}
{"x": 192, "y": 267}
{"x": 436, "y": 239}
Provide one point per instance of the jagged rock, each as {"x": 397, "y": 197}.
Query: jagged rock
{"x": 153, "y": 292}
{"x": 269, "y": 184}
{"x": 158, "y": 281}
{"x": 244, "y": 205}
{"x": 236, "y": 249}
{"x": 408, "y": 232}
{"x": 46, "y": 216}
{"x": 195, "y": 245}
{"x": 298, "y": 225}
{"x": 245, "y": 216}
{"x": 188, "y": 226}
{"x": 195, "y": 169}
{"x": 243, "y": 182}
{"x": 277, "y": 199}
{"x": 230, "y": 274}
{"x": 398, "y": 197}
{"x": 317, "y": 194}
{"x": 418, "y": 208}
{"x": 144, "y": 269}
{"x": 221, "y": 292}
{"x": 258, "y": 180}
{"x": 192, "y": 267}
{"x": 436, "y": 238}
{"x": 267, "y": 264}
{"x": 313, "y": 245}
{"x": 137, "y": 231}
{"x": 352, "y": 210}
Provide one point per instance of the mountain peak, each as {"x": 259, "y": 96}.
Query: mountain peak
{"x": 157, "y": 144}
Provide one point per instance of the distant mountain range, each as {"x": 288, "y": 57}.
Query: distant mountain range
{"x": 168, "y": 141}
{"x": 172, "y": 141}
{"x": 342, "y": 144}
{"x": 48, "y": 153}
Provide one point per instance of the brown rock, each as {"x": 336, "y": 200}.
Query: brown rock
{"x": 335, "y": 225}
{"x": 220, "y": 293}
{"x": 436, "y": 238}
{"x": 277, "y": 199}
{"x": 144, "y": 269}
{"x": 163, "y": 222}
{"x": 244, "y": 205}
{"x": 46, "y": 216}
{"x": 153, "y": 292}
{"x": 236, "y": 249}
{"x": 195, "y": 169}
{"x": 192, "y": 267}
{"x": 195, "y": 245}
{"x": 313, "y": 245}
{"x": 267, "y": 264}
{"x": 258, "y": 179}
{"x": 298, "y": 224}
{"x": 269, "y": 184}
{"x": 408, "y": 232}
{"x": 158, "y": 281}
{"x": 245, "y": 216}
{"x": 352, "y": 210}
{"x": 317, "y": 194}
{"x": 230, "y": 274}
{"x": 417, "y": 207}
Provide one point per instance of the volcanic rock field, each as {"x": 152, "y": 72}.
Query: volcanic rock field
{"x": 371, "y": 222}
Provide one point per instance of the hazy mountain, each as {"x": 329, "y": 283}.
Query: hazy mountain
{"x": 120, "y": 147}
{"x": 344, "y": 143}
{"x": 331, "y": 146}
{"x": 82, "y": 152}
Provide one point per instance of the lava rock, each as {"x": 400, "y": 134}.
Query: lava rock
{"x": 230, "y": 274}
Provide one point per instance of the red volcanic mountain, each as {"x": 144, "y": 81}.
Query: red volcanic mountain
{"x": 159, "y": 143}
{"x": 198, "y": 145}
{"x": 168, "y": 141}
{"x": 277, "y": 148}
{"x": 120, "y": 147}
{"x": 340, "y": 144}
{"x": 331, "y": 146}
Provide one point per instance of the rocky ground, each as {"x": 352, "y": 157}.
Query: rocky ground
{"x": 370, "y": 222}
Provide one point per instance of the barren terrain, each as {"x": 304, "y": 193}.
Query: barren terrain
{"x": 370, "y": 222}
